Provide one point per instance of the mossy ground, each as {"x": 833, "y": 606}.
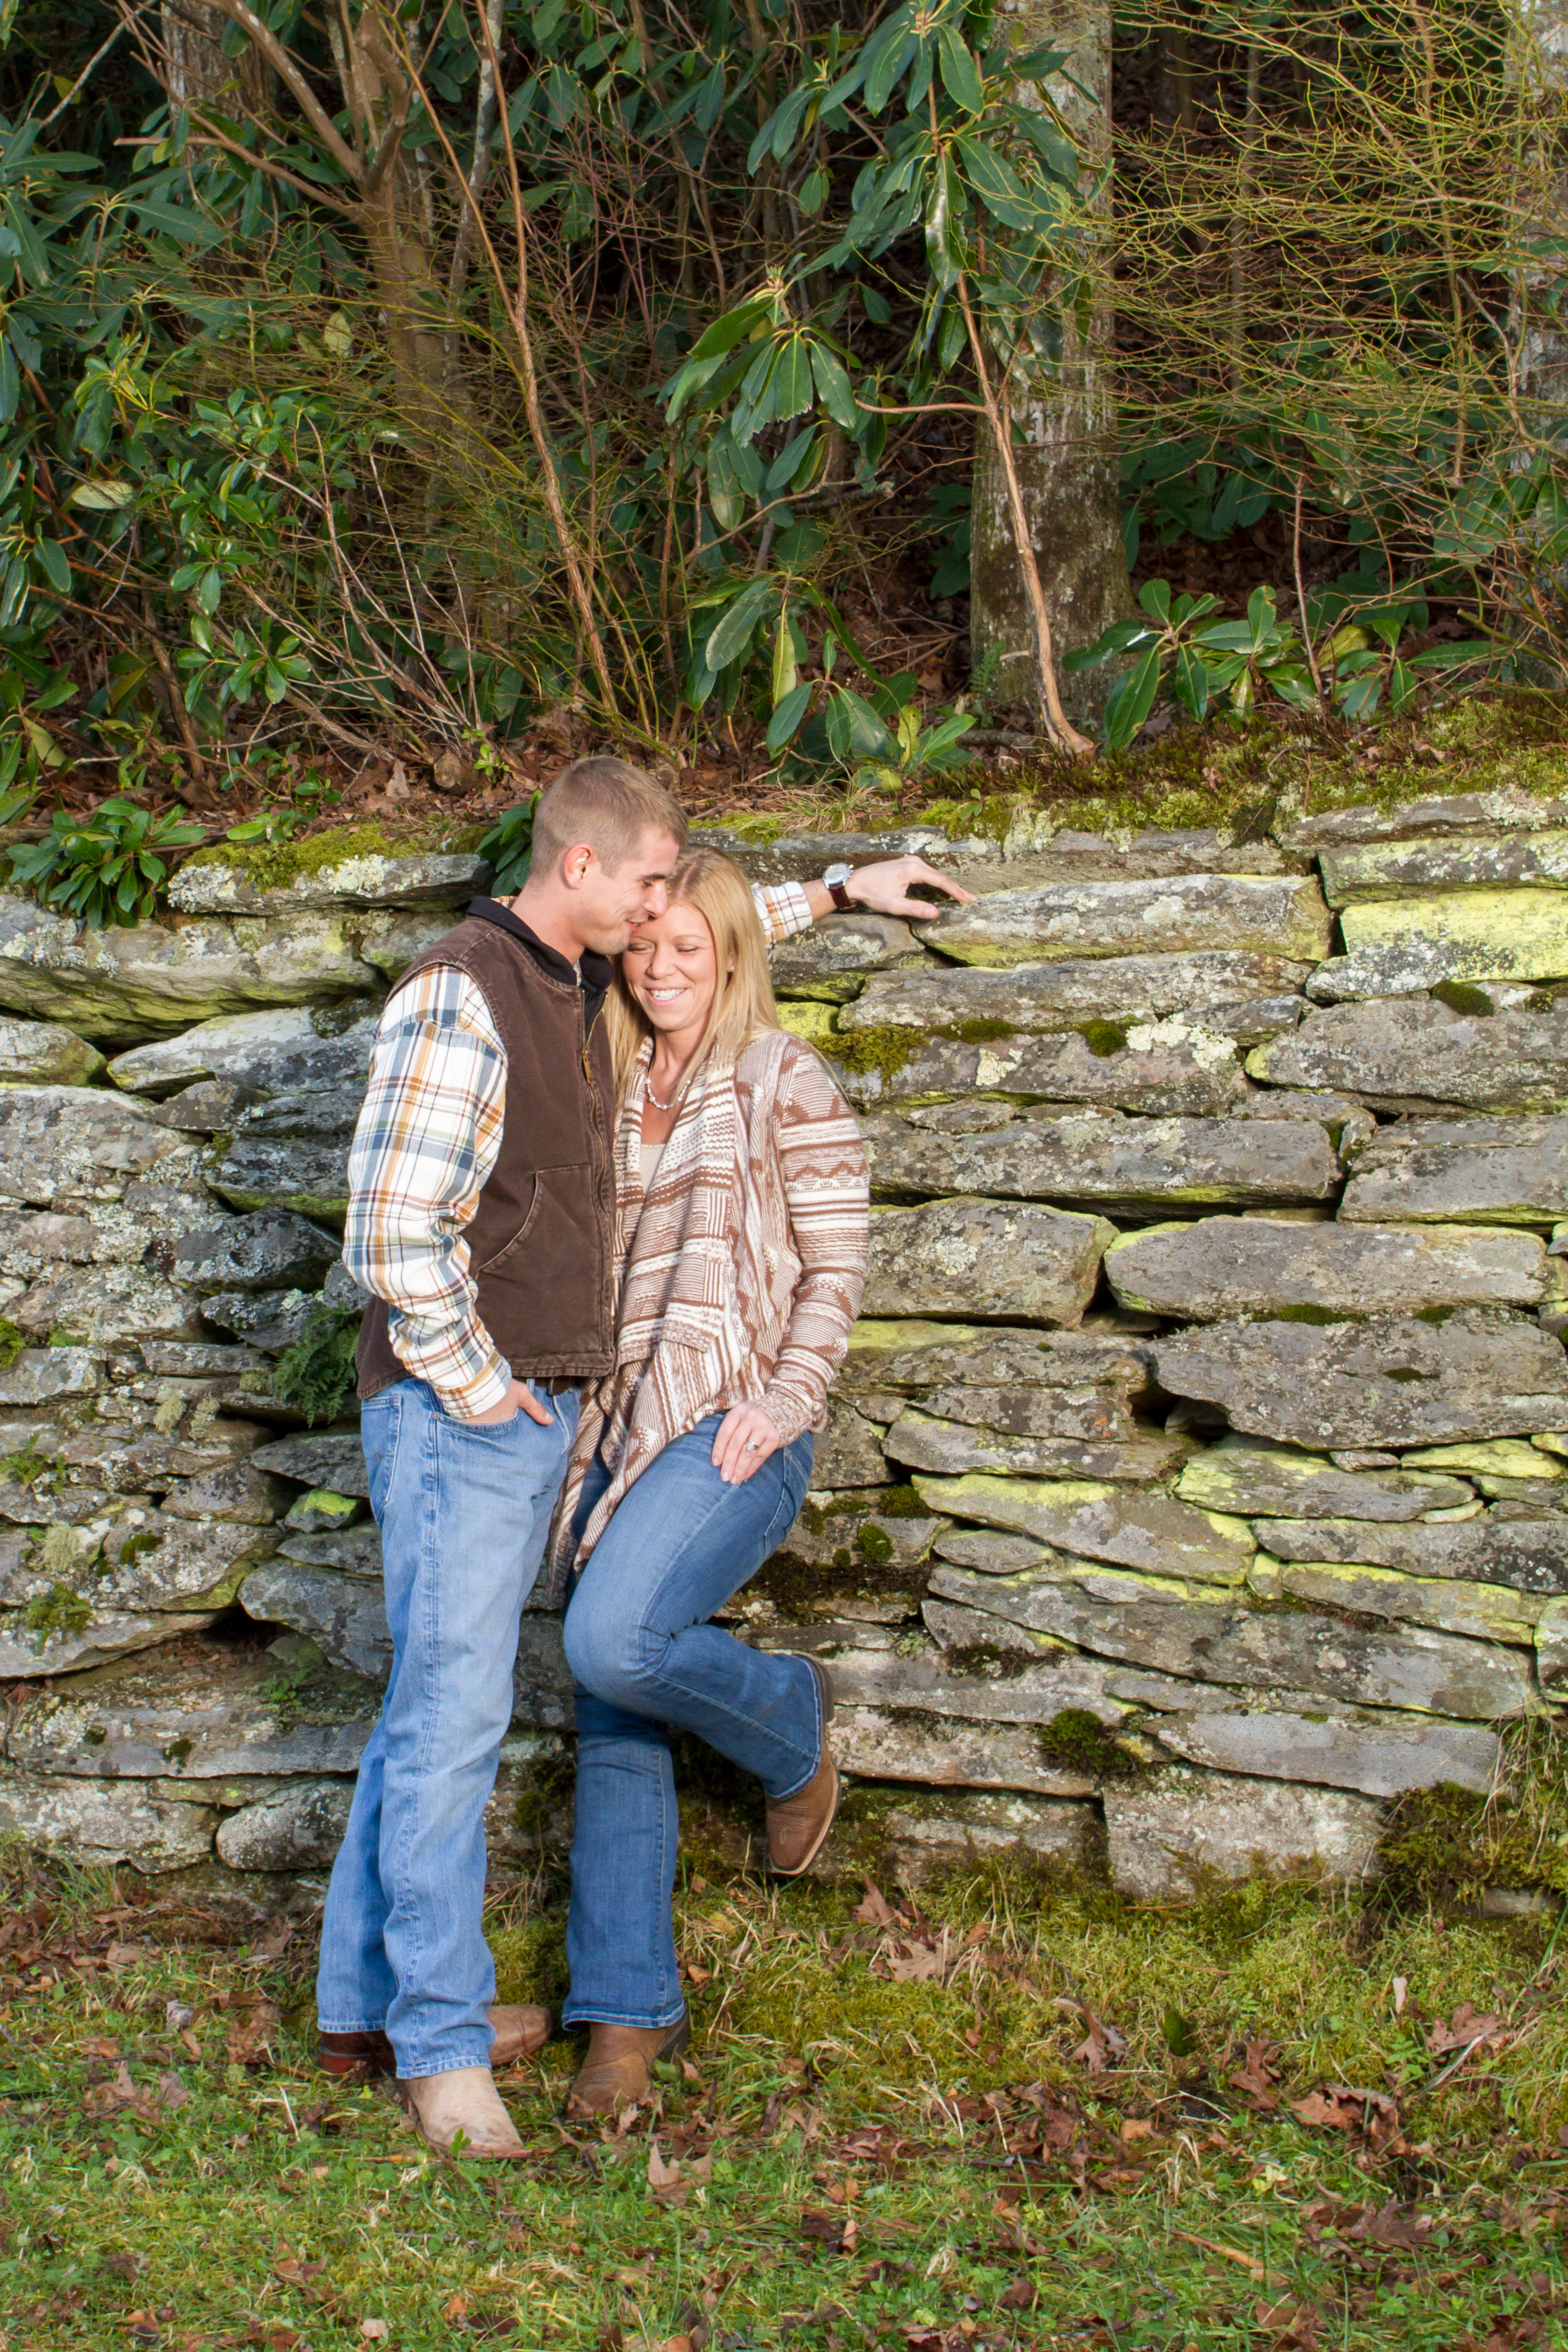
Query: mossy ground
{"x": 965, "y": 2126}
{"x": 1242, "y": 775}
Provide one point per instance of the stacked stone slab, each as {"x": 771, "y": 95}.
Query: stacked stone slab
{"x": 1198, "y": 1476}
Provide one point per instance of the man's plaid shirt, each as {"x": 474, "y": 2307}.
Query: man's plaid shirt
{"x": 423, "y": 1151}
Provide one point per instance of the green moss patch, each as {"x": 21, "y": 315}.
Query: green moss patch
{"x": 1462, "y": 996}
{"x": 881, "y": 1052}
{"x": 1446, "y": 1847}
{"x": 275, "y": 864}
{"x": 1077, "y": 1741}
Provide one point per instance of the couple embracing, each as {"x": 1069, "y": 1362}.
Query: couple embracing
{"x": 613, "y": 1222}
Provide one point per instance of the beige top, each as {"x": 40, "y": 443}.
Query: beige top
{"x": 650, "y": 1154}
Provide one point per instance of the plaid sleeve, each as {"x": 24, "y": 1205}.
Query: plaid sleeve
{"x": 424, "y": 1148}
{"x": 784, "y": 910}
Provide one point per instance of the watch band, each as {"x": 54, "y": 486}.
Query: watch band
{"x": 839, "y": 897}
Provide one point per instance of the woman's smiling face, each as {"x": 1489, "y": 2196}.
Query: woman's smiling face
{"x": 671, "y": 966}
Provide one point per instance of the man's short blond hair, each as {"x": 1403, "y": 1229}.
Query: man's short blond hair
{"x": 610, "y": 804}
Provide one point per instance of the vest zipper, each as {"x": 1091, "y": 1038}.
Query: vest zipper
{"x": 599, "y": 1139}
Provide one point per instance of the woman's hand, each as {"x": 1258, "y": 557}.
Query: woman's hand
{"x": 746, "y": 1438}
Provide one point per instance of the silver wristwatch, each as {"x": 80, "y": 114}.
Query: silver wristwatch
{"x": 833, "y": 882}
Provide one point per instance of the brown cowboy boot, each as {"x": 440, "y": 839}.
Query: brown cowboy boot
{"x": 520, "y": 2031}
{"x": 618, "y": 2071}
{"x": 797, "y": 1826}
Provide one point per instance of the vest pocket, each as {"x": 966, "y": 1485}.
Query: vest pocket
{"x": 548, "y": 1280}
{"x": 522, "y": 1233}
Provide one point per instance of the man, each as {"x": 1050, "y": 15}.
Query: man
{"x": 482, "y": 1199}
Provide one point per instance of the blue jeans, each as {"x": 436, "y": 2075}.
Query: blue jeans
{"x": 644, "y": 1659}
{"x": 464, "y": 1511}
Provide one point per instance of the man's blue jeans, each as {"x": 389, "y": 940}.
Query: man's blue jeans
{"x": 464, "y": 1510}
{"x": 645, "y": 1659}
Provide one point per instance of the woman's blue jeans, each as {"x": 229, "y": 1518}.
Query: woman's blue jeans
{"x": 645, "y": 1659}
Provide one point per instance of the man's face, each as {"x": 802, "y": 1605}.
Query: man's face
{"x": 611, "y": 905}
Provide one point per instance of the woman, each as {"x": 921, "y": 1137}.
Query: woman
{"x": 740, "y": 1251}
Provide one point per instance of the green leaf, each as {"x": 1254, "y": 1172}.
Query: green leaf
{"x": 939, "y": 224}
{"x": 999, "y": 186}
{"x": 101, "y": 498}
{"x": 789, "y": 462}
{"x": 55, "y": 564}
{"x": 1116, "y": 639}
{"x": 734, "y": 632}
{"x": 785, "y": 677}
{"x": 732, "y": 329}
{"x": 576, "y": 214}
{"x": 1189, "y": 683}
{"x": 854, "y": 731}
{"x": 786, "y": 718}
{"x": 960, "y": 73}
{"x": 1130, "y": 699}
{"x": 777, "y": 135}
{"x": 893, "y": 56}
{"x": 791, "y": 385}
{"x": 1154, "y": 596}
{"x": 833, "y": 388}
{"x": 877, "y": 307}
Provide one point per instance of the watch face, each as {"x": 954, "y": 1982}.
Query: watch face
{"x": 837, "y": 874}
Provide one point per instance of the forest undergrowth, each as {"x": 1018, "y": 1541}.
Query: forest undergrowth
{"x": 1010, "y": 2113}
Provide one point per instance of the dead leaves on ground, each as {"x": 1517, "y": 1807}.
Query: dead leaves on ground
{"x": 1369, "y": 2117}
{"x": 1395, "y": 2228}
{"x": 671, "y": 2181}
{"x": 118, "y": 2093}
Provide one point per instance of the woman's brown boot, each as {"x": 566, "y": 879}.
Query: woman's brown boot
{"x": 797, "y": 1826}
{"x": 618, "y": 2071}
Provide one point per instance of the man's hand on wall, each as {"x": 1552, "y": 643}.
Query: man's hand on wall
{"x": 886, "y": 886}
{"x": 883, "y": 889}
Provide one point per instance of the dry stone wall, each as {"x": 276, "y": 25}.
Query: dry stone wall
{"x": 1197, "y": 1481}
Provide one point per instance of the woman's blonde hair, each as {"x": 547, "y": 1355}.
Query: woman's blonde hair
{"x": 743, "y": 1006}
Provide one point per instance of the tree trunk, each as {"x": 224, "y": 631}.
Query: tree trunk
{"x": 1066, "y": 457}
{"x": 1540, "y": 71}
{"x": 198, "y": 70}
{"x": 399, "y": 231}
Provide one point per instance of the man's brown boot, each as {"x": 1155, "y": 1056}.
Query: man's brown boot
{"x": 520, "y": 2032}
{"x": 465, "y": 2101}
{"x": 618, "y": 2071}
{"x": 797, "y": 1826}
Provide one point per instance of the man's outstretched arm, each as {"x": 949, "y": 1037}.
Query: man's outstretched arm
{"x": 882, "y": 887}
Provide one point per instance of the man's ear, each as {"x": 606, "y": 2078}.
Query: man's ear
{"x": 577, "y": 865}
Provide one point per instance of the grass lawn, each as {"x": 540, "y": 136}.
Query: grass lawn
{"x": 1026, "y": 2116}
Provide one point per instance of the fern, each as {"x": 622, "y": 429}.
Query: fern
{"x": 317, "y": 1373}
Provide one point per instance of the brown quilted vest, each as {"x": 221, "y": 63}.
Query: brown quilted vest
{"x": 540, "y": 1241}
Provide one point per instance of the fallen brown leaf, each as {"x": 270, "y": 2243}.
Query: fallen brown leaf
{"x": 1463, "y": 2031}
{"x": 1258, "y": 2074}
{"x": 248, "y": 2042}
{"x": 873, "y": 1912}
{"x": 662, "y": 2176}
